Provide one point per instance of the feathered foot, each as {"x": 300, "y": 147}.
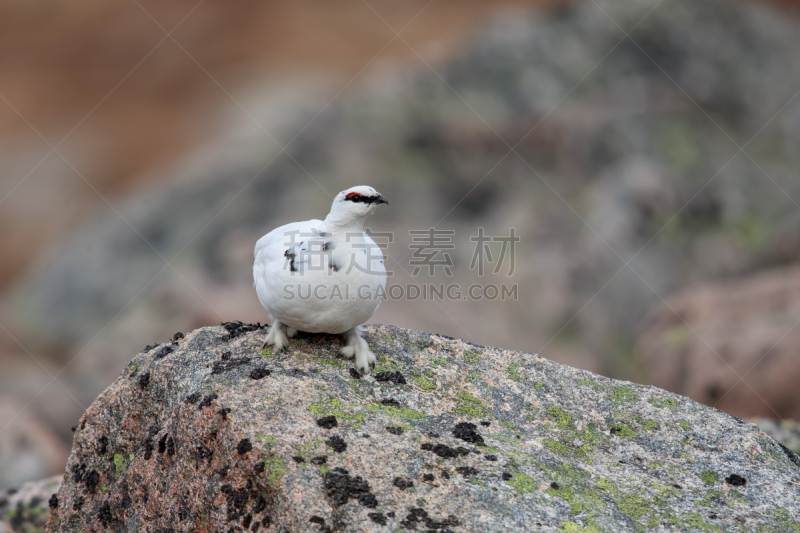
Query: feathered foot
{"x": 277, "y": 336}
{"x": 357, "y": 347}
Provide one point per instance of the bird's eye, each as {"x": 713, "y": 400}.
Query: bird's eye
{"x": 353, "y": 196}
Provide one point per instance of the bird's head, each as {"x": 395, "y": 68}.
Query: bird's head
{"x": 355, "y": 204}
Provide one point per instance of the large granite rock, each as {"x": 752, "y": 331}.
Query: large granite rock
{"x": 210, "y": 433}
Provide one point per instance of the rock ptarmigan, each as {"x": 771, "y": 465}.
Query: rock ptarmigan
{"x": 323, "y": 276}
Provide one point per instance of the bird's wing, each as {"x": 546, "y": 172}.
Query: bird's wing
{"x": 284, "y": 244}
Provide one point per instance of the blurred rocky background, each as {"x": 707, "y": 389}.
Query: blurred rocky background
{"x": 644, "y": 151}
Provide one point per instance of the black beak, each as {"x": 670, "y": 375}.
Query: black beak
{"x": 382, "y": 200}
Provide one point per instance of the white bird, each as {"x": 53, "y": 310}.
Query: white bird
{"x": 323, "y": 276}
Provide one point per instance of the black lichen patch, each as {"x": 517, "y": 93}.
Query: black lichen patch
{"x": 90, "y": 478}
{"x": 53, "y": 501}
{"x": 428, "y": 478}
{"x": 144, "y": 380}
{"x": 178, "y": 336}
{"x": 394, "y": 430}
{"x": 445, "y": 451}
{"x": 244, "y": 446}
{"x": 317, "y": 520}
{"x": 736, "y": 480}
{"x": 207, "y": 400}
{"x": 378, "y": 518}
{"x": 102, "y": 445}
{"x": 205, "y": 454}
{"x": 486, "y": 423}
{"x": 402, "y": 483}
{"x": 162, "y": 352}
{"x": 220, "y": 367}
{"x": 320, "y": 460}
{"x": 466, "y": 471}
{"x": 355, "y": 374}
{"x": 247, "y": 520}
{"x": 490, "y": 457}
{"x": 237, "y": 501}
{"x": 793, "y": 457}
{"x": 259, "y": 373}
{"x": 193, "y": 398}
{"x": 162, "y": 443}
{"x": 391, "y": 402}
{"x": 259, "y": 504}
{"x": 340, "y": 486}
{"x": 298, "y": 459}
{"x": 392, "y": 377}
{"x": 467, "y": 432}
{"x": 236, "y": 328}
{"x": 555, "y": 486}
{"x": 368, "y": 500}
{"x": 337, "y": 443}
{"x": 260, "y": 467}
{"x": 170, "y": 446}
{"x": 224, "y": 412}
{"x": 104, "y": 514}
{"x": 327, "y": 422}
{"x": 420, "y": 516}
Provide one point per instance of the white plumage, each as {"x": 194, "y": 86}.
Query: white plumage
{"x": 323, "y": 276}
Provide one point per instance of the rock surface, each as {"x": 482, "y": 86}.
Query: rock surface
{"x": 733, "y": 344}
{"x": 210, "y": 433}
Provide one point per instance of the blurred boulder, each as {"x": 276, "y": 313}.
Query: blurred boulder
{"x": 732, "y": 344}
{"x": 29, "y": 449}
{"x": 625, "y": 184}
{"x": 787, "y": 432}
{"x": 26, "y": 508}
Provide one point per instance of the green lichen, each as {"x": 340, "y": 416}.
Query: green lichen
{"x": 266, "y": 352}
{"x": 383, "y": 364}
{"x": 538, "y": 385}
{"x": 439, "y": 361}
{"x": 684, "y": 424}
{"x": 471, "y": 358}
{"x": 572, "y": 527}
{"x": 133, "y": 369}
{"x": 120, "y": 465}
{"x": 331, "y": 361}
{"x": 709, "y": 477}
{"x": 523, "y": 483}
{"x": 334, "y": 407}
{"x": 664, "y": 403}
{"x": 513, "y": 371}
{"x": 784, "y": 523}
{"x": 649, "y": 424}
{"x": 397, "y": 412}
{"x": 694, "y": 521}
{"x": 467, "y": 404}
{"x": 619, "y": 393}
{"x": 423, "y": 382}
{"x": 274, "y": 470}
{"x": 267, "y": 438}
{"x": 562, "y": 419}
{"x": 623, "y": 431}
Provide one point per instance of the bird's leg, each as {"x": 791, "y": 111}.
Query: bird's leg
{"x": 357, "y": 347}
{"x": 290, "y": 332}
{"x": 276, "y": 336}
